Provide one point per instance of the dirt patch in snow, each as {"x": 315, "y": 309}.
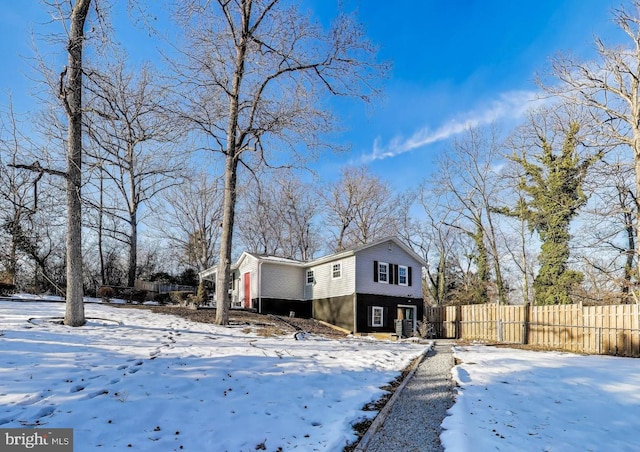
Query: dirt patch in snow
{"x": 263, "y": 324}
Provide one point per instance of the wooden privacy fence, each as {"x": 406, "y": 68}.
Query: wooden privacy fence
{"x": 606, "y": 330}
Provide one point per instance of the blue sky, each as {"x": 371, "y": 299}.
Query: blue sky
{"x": 460, "y": 62}
{"x": 455, "y": 63}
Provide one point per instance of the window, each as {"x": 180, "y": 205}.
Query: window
{"x": 402, "y": 275}
{"x": 310, "y": 278}
{"x": 377, "y": 316}
{"x": 336, "y": 271}
{"x": 383, "y": 272}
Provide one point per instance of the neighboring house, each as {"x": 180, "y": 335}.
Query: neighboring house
{"x": 363, "y": 289}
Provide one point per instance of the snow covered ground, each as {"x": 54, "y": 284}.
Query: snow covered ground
{"x": 133, "y": 380}
{"x": 515, "y": 400}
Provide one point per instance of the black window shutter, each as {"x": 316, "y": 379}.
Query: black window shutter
{"x": 409, "y": 275}
{"x": 390, "y": 279}
{"x": 395, "y": 274}
{"x": 384, "y": 316}
{"x": 375, "y": 271}
{"x": 369, "y": 316}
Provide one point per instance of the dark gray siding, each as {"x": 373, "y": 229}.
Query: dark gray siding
{"x": 364, "y": 303}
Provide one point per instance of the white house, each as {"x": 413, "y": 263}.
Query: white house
{"x": 363, "y": 289}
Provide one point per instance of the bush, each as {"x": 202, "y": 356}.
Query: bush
{"x": 162, "y": 298}
{"x": 201, "y": 295}
{"x": 106, "y": 293}
{"x": 192, "y": 301}
{"x": 180, "y": 296}
{"x": 139, "y": 295}
{"x": 6, "y": 289}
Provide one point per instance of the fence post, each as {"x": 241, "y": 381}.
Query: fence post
{"x": 525, "y": 325}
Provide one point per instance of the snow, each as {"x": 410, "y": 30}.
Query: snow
{"x": 161, "y": 382}
{"x": 144, "y": 381}
{"x": 518, "y": 400}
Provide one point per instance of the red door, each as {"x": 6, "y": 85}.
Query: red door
{"x": 247, "y": 291}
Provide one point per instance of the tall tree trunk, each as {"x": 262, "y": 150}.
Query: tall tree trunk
{"x": 440, "y": 287}
{"x": 502, "y": 296}
{"x": 133, "y": 217}
{"x": 628, "y": 266}
{"x": 231, "y": 173}
{"x": 72, "y": 97}
{"x": 636, "y": 153}
{"x": 13, "y": 251}
{"x": 525, "y": 265}
{"x": 343, "y": 229}
{"x": 226, "y": 241}
{"x": 133, "y": 249}
{"x": 103, "y": 278}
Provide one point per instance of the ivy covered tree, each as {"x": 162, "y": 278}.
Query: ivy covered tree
{"x": 552, "y": 181}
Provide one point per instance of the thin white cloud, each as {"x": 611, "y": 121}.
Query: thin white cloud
{"x": 510, "y": 105}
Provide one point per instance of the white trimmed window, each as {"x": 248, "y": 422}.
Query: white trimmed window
{"x": 377, "y": 316}
{"x": 403, "y": 271}
{"x": 383, "y": 272}
{"x": 336, "y": 270}
{"x": 309, "y": 277}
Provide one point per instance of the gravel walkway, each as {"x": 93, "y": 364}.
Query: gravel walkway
{"x": 413, "y": 423}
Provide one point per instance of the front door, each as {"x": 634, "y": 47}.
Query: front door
{"x": 247, "y": 290}
{"x": 406, "y": 312}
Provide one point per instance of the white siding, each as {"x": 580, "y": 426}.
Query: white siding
{"x": 282, "y": 281}
{"x": 248, "y": 265}
{"x": 287, "y": 281}
{"x": 390, "y": 253}
{"x": 325, "y": 285}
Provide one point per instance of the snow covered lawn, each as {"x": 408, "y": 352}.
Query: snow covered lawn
{"x": 133, "y": 380}
{"x": 517, "y": 400}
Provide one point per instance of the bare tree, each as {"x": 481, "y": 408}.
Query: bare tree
{"x": 31, "y": 210}
{"x": 192, "y": 213}
{"x": 73, "y": 16}
{"x": 254, "y": 74}
{"x": 609, "y": 231}
{"x": 261, "y": 227}
{"x": 40, "y": 239}
{"x": 135, "y": 151}
{"x": 610, "y": 86}
{"x": 517, "y": 237}
{"x": 298, "y": 208}
{"x": 71, "y": 96}
{"x": 278, "y": 215}
{"x": 468, "y": 178}
{"x": 360, "y": 208}
{"x": 18, "y": 189}
{"x": 435, "y": 241}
